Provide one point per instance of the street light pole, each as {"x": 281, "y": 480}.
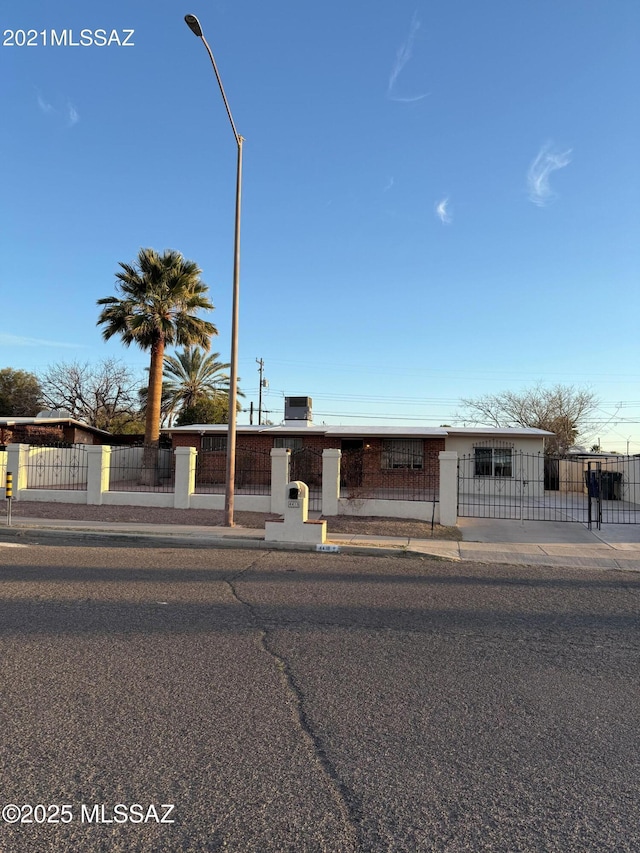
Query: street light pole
{"x": 194, "y": 25}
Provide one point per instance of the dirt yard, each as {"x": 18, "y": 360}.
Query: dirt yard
{"x": 366, "y": 525}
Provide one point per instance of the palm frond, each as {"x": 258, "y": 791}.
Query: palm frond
{"x": 158, "y": 299}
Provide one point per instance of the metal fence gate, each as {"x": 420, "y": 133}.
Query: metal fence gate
{"x": 306, "y": 465}
{"x": 537, "y": 488}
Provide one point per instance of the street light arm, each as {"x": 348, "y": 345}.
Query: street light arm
{"x": 194, "y": 25}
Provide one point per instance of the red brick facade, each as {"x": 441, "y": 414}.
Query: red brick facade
{"x": 362, "y": 470}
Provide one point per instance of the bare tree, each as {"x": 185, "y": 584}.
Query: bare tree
{"x": 563, "y": 410}
{"x": 103, "y": 395}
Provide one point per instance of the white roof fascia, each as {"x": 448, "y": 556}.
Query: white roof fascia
{"x": 523, "y": 431}
{"x": 327, "y": 429}
{"x": 362, "y": 430}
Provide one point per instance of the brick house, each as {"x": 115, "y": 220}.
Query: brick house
{"x": 375, "y": 459}
{"x": 43, "y": 431}
{"x": 372, "y": 457}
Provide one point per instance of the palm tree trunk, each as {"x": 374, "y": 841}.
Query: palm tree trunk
{"x": 154, "y": 394}
{"x": 152, "y": 419}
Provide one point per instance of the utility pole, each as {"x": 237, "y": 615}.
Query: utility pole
{"x": 264, "y": 383}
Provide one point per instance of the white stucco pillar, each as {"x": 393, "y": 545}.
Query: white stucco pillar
{"x": 185, "y": 479}
{"x": 98, "y": 472}
{"x": 280, "y": 461}
{"x": 17, "y": 458}
{"x": 330, "y": 480}
{"x": 448, "y": 487}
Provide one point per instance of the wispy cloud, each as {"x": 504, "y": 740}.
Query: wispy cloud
{"x": 21, "y": 341}
{"x": 405, "y": 52}
{"x": 547, "y": 161}
{"x": 44, "y": 106}
{"x": 388, "y": 185}
{"x": 443, "y": 213}
{"x": 72, "y": 114}
{"x": 69, "y": 112}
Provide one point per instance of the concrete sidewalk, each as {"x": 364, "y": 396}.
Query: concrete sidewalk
{"x": 563, "y": 545}
{"x": 549, "y": 543}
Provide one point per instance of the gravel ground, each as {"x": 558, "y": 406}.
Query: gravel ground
{"x": 362, "y": 525}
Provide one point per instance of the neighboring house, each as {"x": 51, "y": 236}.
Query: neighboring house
{"x": 42, "y": 431}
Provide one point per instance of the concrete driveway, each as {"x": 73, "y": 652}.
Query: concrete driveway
{"x": 493, "y": 530}
{"x": 550, "y": 543}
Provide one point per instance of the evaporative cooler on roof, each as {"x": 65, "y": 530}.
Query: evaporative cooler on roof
{"x": 297, "y": 408}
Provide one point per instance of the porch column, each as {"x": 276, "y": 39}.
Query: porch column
{"x": 17, "y": 458}
{"x": 185, "y": 480}
{"x": 448, "y": 487}
{"x": 330, "y": 481}
{"x": 98, "y": 471}
{"x": 280, "y": 461}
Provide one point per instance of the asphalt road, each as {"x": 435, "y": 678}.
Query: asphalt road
{"x": 314, "y": 702}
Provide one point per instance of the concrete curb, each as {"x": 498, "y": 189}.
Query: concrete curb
{"x": 36, "y": 532}
{"x": 180, "y": 539}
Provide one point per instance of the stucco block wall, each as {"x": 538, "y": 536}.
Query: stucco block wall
{"x": 527, "y": 462}
{"x": 3, "y": 472}
{"x": 464, "y": 446}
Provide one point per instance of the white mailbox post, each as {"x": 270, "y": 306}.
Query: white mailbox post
{"x": 296, "y": 526}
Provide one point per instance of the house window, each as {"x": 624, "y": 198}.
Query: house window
{"x": 214, "y": 442}
{"x": 493, "y": 462}
{"x": 402, "y": 453}
{"x": 288, "y": 442}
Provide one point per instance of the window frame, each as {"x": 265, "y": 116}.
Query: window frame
{"x": 288, "y": 442}
{"x": 495, "y": 462}
{"x": 206, "y": 440}
{"x": 402, "y": 454}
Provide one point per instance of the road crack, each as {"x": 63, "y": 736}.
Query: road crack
{"x": 343, "y": 796}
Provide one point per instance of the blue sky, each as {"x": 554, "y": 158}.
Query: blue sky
{"x": 440, "y": 199}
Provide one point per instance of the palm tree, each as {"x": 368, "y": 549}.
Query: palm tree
{"x": 159, "y": 295}
{"x": 166, "y": 411}
{"x": 190, "y": 376}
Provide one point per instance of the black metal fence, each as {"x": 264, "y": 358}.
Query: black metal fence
{"x": 211, "y": 471}
{"x": 253, "y": 472}
{"x": 510, "y": 484}
{"x": 306, "y": 465}
{"x": 613, "y": 488}
{"x": 402, "y": 475}
{"x": 57, "y": 466}
{"x": 142, "y": 468}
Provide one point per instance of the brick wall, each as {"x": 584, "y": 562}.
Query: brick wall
{"x": 31, "y": 434}
{"x": 362, "y": 470}
{"x": 186, "y": 439}
{"x": 43, "y": 434}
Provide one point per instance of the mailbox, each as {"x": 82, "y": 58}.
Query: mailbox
{"x": 295, "y": 525}
{"x": 297, "y": 494}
